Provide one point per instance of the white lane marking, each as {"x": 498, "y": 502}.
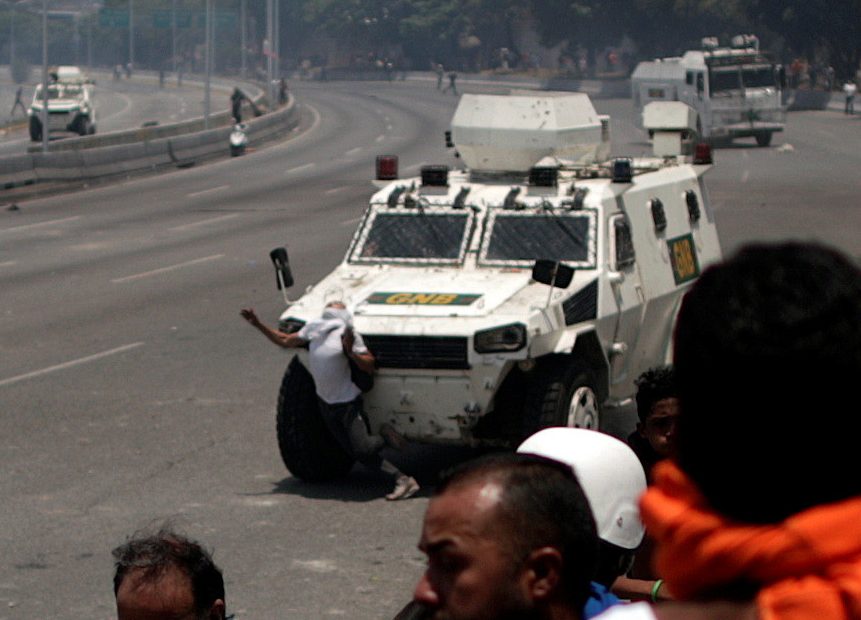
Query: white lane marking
{"x": 146, "y": 274}
{"x": 38, "y": 224}
{"x": 415, "y": 166}
{"x": 335, "y": 190}
{"x": 302, "y": 167}
{"x": 351, "y": 222}
{"x": 128, "y": 104}
{"x": 9, "y": 263}
{"x": 380, "y": 138}
{"x": 353, "y": 151}
{"x": 70, "y": 364}
{"x": 208, "y": 191}
{"x": 211, "y": 220}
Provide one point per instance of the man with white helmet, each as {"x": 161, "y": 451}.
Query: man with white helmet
{"x": 613, "y": 480}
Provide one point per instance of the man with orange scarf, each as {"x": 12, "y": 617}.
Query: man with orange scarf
{"x": 758, "y": 515}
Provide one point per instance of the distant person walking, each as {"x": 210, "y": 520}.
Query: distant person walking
{"x": 452, "y": 77}
{"x": 18, "y": 102}
{"x": 440, "y": 71}
{"x": 850, "y": 89}
{"x": 236, "y": 99}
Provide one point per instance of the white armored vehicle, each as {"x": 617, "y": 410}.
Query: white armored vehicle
{"x": 528, "y": 290}
{"x": 70, "y": 104}
{"x": 736, "y": 91}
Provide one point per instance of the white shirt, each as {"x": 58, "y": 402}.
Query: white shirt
{"x": 329, "y": 365}
{"x": 850, "y": 89}
{"x": 631, "y": 611}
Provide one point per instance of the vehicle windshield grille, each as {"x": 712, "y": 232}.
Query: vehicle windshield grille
{"x": 724, "y": 79}
{"x": 758, "y": 77}
{"x": 441, "y": 352}
{"x": 430, "y": 235}
{"x": 520, "y": 238}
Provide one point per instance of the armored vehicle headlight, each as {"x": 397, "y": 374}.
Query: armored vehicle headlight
{"x": 504, "y": 338}
{"x": 290, "y": 325}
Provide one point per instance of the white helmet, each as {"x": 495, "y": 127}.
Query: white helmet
{"x": 609, "y": 472}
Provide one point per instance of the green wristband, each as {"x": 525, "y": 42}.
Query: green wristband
{"x": 655, "y": 588}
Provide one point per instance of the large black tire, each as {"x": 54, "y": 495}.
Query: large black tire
{"x": 35, "y": 129}
{"x": 307, "y": 447}
{"x": 561, "y": 394}
{"x": 763, "y": 138}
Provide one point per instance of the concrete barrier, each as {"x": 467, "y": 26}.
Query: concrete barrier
{"x": 58, "y": 166}
{"x": 148, "y": 154}
{"x": 16, "y": 170}
{"x": 155, "y": 132}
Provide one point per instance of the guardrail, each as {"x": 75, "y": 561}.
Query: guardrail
{"x": 156, "y": 131}
{"x": 179, "y": 144}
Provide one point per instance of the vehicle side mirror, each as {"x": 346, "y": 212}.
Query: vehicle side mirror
{"x": 552, "y": 273}
{"x": 283, "y": 276}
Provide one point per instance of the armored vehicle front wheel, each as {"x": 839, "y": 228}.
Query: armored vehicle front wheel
{"x": 562, "y": 394}
{"x": 308, "y": 449}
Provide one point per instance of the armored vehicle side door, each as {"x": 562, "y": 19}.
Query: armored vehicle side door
{"x": 629, "y": 298}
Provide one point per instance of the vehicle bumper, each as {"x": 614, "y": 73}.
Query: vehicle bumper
{"x": 742, "y": 130}
{"x": 439, "y": 408}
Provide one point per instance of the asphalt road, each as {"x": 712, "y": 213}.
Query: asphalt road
{"x": 132, "y": 392}
{"x": 120, "y": 104}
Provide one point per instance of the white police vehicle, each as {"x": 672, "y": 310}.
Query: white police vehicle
{"x": 529, "y": 289}
{"x": 736, "y": 91}
{"x": 70, "y": 104}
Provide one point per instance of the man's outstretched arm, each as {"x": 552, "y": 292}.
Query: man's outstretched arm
{"x": 288, "y": 341}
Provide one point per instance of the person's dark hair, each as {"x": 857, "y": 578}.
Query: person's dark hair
{"x": 653, "y": 385}
{"x": 767, "y": 349}
{"x": 154, "y": 553}
{"x": 542, "y": 505}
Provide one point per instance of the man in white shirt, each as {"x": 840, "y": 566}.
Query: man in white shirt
{"x": 332, "y": 344}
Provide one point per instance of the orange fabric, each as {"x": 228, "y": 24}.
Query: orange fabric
{"x": 806, "y": 567}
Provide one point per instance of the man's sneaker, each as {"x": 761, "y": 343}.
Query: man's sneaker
{"x": 405, "y": 486}
{"x": 392, "y": 437}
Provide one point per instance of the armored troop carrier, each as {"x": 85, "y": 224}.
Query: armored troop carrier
{"x": 528, "y": 289}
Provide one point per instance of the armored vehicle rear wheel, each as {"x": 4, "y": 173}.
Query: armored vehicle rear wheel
{"x": 308, "y": 449}
{"x": 563, "y": 394}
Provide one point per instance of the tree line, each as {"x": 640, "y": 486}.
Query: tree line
{"x": 415, "y": 34}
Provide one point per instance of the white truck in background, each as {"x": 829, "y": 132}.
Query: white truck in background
{"x": 70, "y": 104}
{"x": 736, "y": 91}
